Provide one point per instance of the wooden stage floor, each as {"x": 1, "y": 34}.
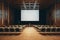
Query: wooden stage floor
{"x": 30, "y": 33}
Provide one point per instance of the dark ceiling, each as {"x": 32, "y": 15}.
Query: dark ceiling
{"x": 43, "y": 3}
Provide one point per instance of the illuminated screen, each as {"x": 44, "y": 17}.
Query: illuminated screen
{"x": 29, "y": 15}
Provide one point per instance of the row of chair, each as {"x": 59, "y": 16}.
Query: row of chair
{"x": 9, "y": 29}
{"x": 12, "y": 29}
{"x": 48, "y": 29}
{"x": 54, "y": 29}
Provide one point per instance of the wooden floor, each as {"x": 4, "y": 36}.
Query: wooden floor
{"x": 30, "y": 33}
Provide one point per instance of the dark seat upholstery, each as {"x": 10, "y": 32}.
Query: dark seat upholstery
{"x": 6, "y": 29}
{"x": 1, "y": 29}
{"x": 11, "y": 29}
{"x": 53, "y": 30}
{"x": 17, "y": 30}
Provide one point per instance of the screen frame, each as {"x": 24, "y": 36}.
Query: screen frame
{"x": 29, "y": 22}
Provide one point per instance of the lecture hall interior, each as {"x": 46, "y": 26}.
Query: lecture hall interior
{"x": 29, "y": 19}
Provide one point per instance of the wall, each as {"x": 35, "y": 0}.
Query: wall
{"x": 56, "y": 15}
{"x": 0, "y": 13}
{"x": 4, "y": 14}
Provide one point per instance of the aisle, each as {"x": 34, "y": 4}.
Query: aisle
{"x": 30, "y": 33}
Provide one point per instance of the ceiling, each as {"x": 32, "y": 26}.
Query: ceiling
{"x": 43, "y": 3}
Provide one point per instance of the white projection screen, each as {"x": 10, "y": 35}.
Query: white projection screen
{"x": 29, "y": 15}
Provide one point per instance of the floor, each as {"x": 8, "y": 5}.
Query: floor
{"x": 30, "y": 33}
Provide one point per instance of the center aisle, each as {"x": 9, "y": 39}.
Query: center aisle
{"x": 30, "y": 33}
